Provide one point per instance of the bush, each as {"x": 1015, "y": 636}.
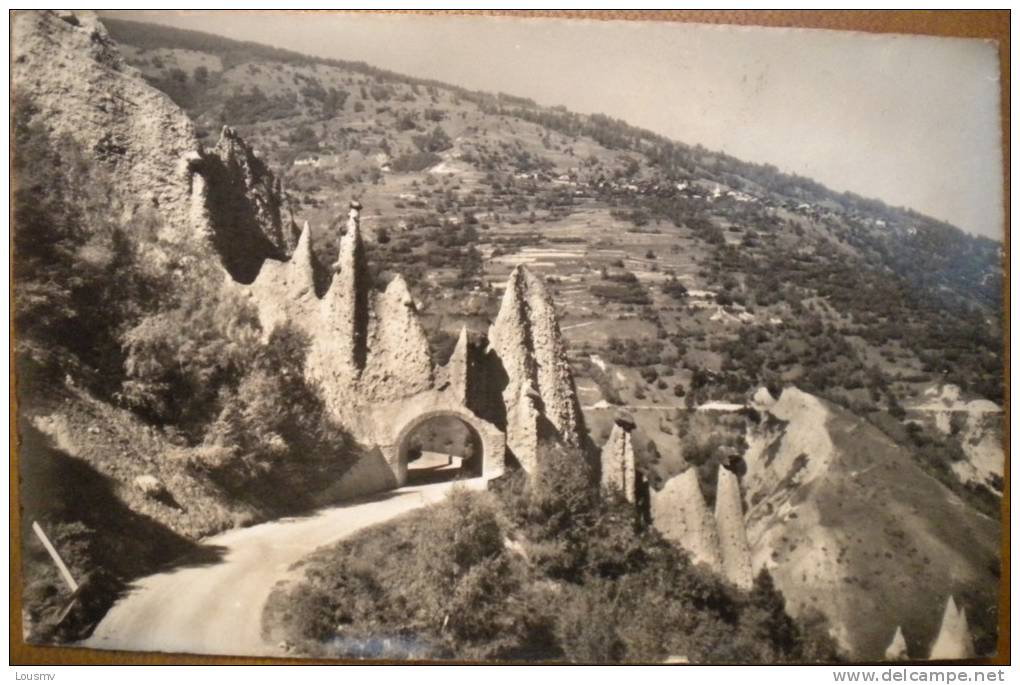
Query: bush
{"x": 586, "y": 626}
{"x": 674, "y": 289}
{"x": 177, "y": 360}
{"x": 434, "y": 141}
{"x": 274, "y": 430}
{"x": 554, "y": 508}
{"x": 415, "y": 161}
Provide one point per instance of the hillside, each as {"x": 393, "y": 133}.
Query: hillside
{"x": 681, "y": 275}
{"x": 133, "y": 389}
{"x": 849, "y": 525}
{"x": 226, "y": 375}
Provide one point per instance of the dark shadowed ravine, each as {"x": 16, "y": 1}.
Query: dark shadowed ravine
{"x": 216, "y": 607}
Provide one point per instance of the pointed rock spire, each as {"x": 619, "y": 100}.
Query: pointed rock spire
{"x": 897, "y": 649}
{"x": 285, "y": 291}
{"x": 346, "y": 305}
{"x": 510, "y": 334}
{"x": 251, "y": 197}
{"x": 954, "y": 640}
{"x": 457, "y": 367}
{"x": 555, "y": 381}
{"x": 399, "y": 362}
{"x": 618, "y": 465}
{"x": 681, "y": 515}
{"x": 729, "y": 517}
{"x": 301, "y": 267}
{"x": 526, "y": 337}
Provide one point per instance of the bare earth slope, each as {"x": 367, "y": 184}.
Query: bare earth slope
{"x": 849, "y": 524}
{"x": 217, "y": 608}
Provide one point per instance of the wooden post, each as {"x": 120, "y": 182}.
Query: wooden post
{"x": 61, "y": 566}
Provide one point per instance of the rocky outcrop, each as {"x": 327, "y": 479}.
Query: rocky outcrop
{"x": 897, "y": 649}
{"x": 539, "y": 392}
{"x": 69, "y": 77}
{"x": 285, "y": 291}
{"x": 729, "y": 517}
{"x": 365, "y": 346}
{"x": 619, "y": 472}
{"x": 249, "y": 220}
{"x": 397, "y": 347}
{"x": 681, "y": 515}
{"x": 954, "y": 640}
{"x": 346, "y": 309}
{"x": 457, "y": 370}
{"x": 849, "y": 524}
{"x": 370, "y": 356}
{"x": 976, "y": 424}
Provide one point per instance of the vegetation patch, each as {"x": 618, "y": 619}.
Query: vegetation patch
{"x": 538, "y": 570}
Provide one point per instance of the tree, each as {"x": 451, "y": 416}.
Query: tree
{"x": 274, "y": 434}
{"x": 435, "y": 140}
{"x": 767, "y": 619}
{"x": 178, "y": 358}
{"x": 463, "y": 576}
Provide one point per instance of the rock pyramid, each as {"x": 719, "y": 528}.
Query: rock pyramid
{"x": 954, "y": 640}
{"x": 619, "y": 471}
{"x": 457, "y": 369}
{"x": 681, "y": 515}
{"x": 254, "y": 194}
{"x": 539, "y": 395}
{"x": 398, "y": 348}
{"x": 345, "y": 308}
{"x": 729, "y": 518}
{"x": 897, "y": 649}
{"x": 285, "y": 291}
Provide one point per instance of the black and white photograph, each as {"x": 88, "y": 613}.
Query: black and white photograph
{"x": 461, "y": 338}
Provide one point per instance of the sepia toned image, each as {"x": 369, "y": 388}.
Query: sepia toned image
{"x": 505, "y": 339}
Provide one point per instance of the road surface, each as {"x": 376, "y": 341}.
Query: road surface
{"x": 216, "y": 608}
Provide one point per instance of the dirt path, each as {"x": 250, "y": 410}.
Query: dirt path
{"x": 216, "y": 608}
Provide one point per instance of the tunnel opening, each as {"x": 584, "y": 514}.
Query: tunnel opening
{"x": 442, "y": 448}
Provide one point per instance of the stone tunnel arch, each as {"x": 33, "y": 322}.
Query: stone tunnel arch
{"x": 491, "y": 439}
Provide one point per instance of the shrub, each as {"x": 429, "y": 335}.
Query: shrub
{"x": 177, "y": 360}
{"x": 465, "y": 582}
{"x": 415, "y": 161}
{"x": 435, "y": 140}
{"x": 674, "y": 289}
{"x": 586, "y": 625}
{"x": 275, "y": 427}
{"x": 554, "y": 508}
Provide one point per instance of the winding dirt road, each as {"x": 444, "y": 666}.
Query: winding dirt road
{"x": 215, "y": 607}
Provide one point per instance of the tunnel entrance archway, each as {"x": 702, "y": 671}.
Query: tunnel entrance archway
{"x": 446, "y": 444}
{"x": 442, "y": 448}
